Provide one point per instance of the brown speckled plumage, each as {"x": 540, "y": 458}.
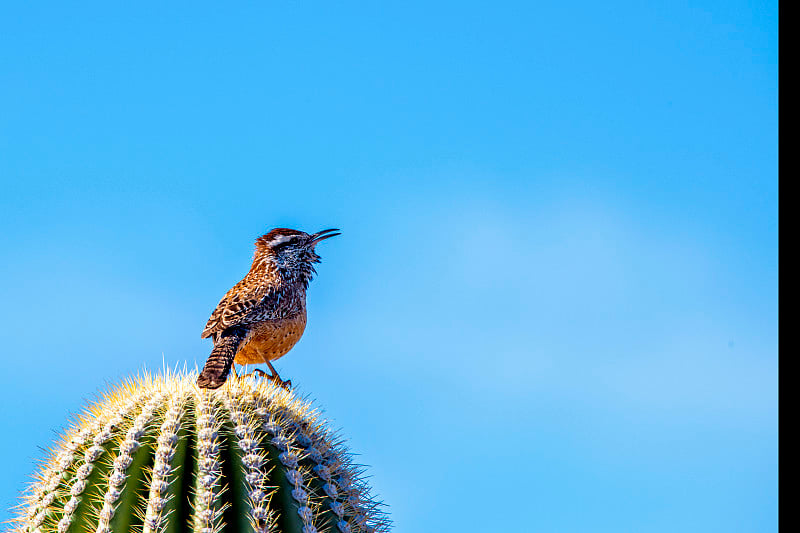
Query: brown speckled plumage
{"x": 264, "y": 315}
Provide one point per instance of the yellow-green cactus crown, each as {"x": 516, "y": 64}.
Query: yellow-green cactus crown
{"x": 157, "y": 453}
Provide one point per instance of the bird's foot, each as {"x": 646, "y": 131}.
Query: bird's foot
{"x": 257, "y": 371}
{"x": 275, "y": 378}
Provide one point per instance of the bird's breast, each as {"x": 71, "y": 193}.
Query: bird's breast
{"x": 271, "y": 339}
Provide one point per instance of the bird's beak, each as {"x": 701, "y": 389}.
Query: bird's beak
{"x": 322, "y": 235}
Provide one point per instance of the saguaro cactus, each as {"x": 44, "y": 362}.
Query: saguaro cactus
{"x": 159, "y": 454}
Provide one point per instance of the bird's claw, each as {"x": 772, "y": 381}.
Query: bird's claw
{"x": 287, "y": 384}
{"x": 257, "y": 371}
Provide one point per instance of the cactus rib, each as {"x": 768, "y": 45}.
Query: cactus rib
{"x": 159, "y": 455}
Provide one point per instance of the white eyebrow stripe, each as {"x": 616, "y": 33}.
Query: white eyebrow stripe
{"x": 280, "y": 239}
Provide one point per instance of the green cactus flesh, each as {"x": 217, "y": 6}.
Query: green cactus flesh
{"x": 158, "y": 454}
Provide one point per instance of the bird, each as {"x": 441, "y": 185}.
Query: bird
{"x": 264, "y": 315}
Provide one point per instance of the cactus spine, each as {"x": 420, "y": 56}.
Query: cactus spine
{"x": 158, "y": 454}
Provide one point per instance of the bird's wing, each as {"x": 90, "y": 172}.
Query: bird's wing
{"x": 237, "y": 308}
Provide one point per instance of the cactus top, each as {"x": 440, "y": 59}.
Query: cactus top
{"x": 157, "y": 453}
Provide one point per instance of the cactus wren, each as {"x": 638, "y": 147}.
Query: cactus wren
{"x": 263, "y": 316}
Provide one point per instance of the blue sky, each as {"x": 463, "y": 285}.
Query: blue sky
{"x": 554, "y": 303}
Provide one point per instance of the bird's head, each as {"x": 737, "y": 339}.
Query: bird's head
{"x": 292, "y": 251}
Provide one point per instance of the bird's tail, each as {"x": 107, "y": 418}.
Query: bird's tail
{"x": 218, "y": 365}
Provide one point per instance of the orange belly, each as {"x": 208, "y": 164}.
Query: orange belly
{"x": 272, "y": 339}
